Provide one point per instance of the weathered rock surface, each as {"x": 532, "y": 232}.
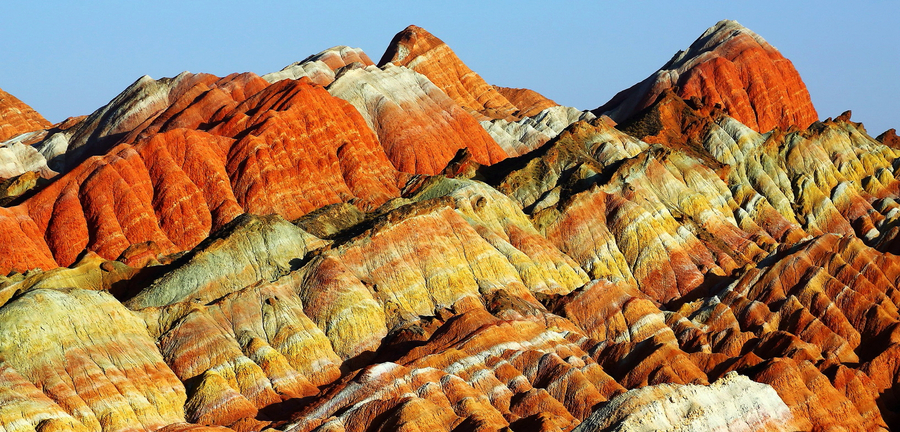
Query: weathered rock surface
{"x": 680, "y": 270}
{"x": 419, "y": 50}
{"x": 251, "y": 248}
{"x": 321, "y": 67}
{"x": 732, "y": 403}
{"x": 528, "y": 102}
{"x": 87, "y": 361}
{"x": 520, "y": 137}
{"x": 223, "y": 147}
{"x": 420, "y": 127}
{"x": 732, "y": 66}
{"x": 17, "y": 118}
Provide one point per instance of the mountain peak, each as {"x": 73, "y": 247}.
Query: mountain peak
{"x": 421, "y": 51}
{"x": 17, "y": 118}
{"x": 731, "y": 65}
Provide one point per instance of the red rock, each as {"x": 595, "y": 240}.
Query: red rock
{"x": 732, "y": 66}
{"x": 419, "y": 50}
{"x": 890, "y": 138}
{"x": 17, "y": 118}
{"x": 420, "y": 128}
{"x": 298, "y": 148}
{"x": 528, "y": 102}
{"x": 810, "y": 395}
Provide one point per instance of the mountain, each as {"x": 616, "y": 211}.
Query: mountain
{"x": 731, "y": 66}
{"x": 345, "y": 246}
{"x": 17, "y": 118}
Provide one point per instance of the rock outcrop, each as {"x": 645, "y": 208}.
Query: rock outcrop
{"x": 223, "y": 147}
{"x": 341, "y": 246}
{"x": 17, "y": 118}
{"x": 420, "y": 128}
{"x": 732, "y": 66}
{"x": 520, "y": 137}
{"x": 86, "y": 361}
{"x": 321, "y": 68}
{"x": 419, "y": 50}
{"x": 732, "y": 403}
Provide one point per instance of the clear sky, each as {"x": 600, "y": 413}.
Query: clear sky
{"x": 68, "y": 58}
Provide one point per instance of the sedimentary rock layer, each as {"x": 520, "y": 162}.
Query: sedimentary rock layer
{"x": 732, "y": 66}
{"x": 420, "y": 128}
{"x": 17, "y": 118}
{"x": 223, "y": 147}
{"x": 274, "y": 270}
{"x": 424, "y": 53}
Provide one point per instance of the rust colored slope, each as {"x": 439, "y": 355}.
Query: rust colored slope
{"x": 287, "y": 149}
{"x": 529, "y": 102}
{"x": 420, "y": 128}
{"x": 419, "y": 50}
{"x": 17, "y": 118}
{"x": 732, "y": 66}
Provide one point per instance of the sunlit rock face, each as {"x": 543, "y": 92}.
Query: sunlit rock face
{"x": 19, "y": 126}
{"x": 225, "y": 146}
{"x": 419, "y": 126}
{"x": 79, "y": 359}
{"x": 732, "y": 66}
{"x": 321, "y": 68}
{"x": 421, "y": 51}
{"x": 731, "y": 403}
{"x": 17, "y": 118}
{"x": 340, "y": 246}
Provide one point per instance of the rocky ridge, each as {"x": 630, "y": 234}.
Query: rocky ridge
{"x": 731, "y": 66}
{"x": 265, "y": 253}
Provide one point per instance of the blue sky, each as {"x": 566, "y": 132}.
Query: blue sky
{"x": 66, "y": 58}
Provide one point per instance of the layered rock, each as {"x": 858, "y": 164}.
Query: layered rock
{"x": 475, "y": 371}
{"x": 17, "y": 118}
{"x": 732, "y": 403}
{"x": 732, "y": 66}
{"x": 629, "y": 276}
{"x": 88, "y": 371}
{"x": 522, "y": 136}
{"x": 321, "y": 68}
{"x": 419, "y": 50}
{"x": 528, "y": 102}
{"x": 224, "y": 147}
{"x": 420, "y": 128}
{"x": 251, "y": 248}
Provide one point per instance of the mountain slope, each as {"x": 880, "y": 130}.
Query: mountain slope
{"x": 732, "y": 66}
{"x": 17, "y": 118}
{"x": 250, "y": 253}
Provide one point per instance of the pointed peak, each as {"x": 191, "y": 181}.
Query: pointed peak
{"x": 727, "y": 59}
{"x": 412, "y": 40}
{"x": 725, "y": 35}
{"x": 16, "y": 117}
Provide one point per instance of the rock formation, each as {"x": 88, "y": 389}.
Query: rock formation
{"x": 321, "y": 68}
{"x": 420, "y": 128}
{"x": 223, "y": 147}
{"x": 17, "y": 118}
{"x": 253, "y": 253}
{"x": 731, "y": 403}
{"x": 732, "y": 66}
{"x": 424, "y": 53}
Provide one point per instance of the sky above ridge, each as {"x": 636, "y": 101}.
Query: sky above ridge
{"x": 67, "y": 59}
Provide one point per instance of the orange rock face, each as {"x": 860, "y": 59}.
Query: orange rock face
{"x": 529, "y": 102}
{"x": 223, "y": 147}
{"x": 732, "y": 66}
{"x": 420, "y": 128}
{"x": 17, "y": 118}
{"x": 424, "y": 53}
{"x": 288, "y": 258}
